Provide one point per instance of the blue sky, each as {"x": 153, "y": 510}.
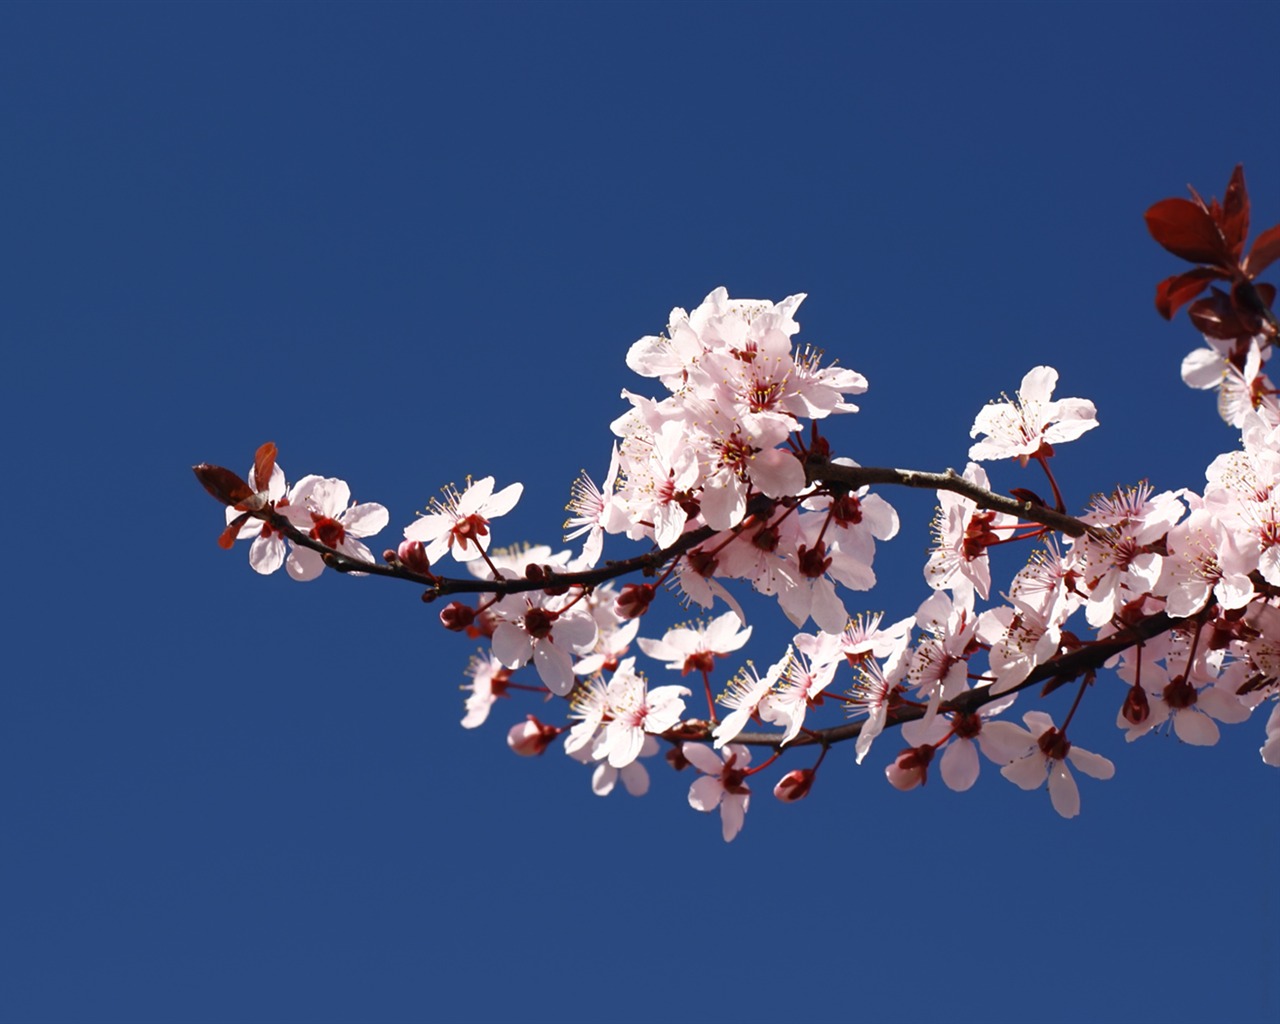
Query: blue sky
{"x": 412, "y": 242}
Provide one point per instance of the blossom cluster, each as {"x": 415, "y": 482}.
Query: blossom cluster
{"x": 727, "y": 480}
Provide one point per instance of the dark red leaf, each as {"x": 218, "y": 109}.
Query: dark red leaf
{"x": 227, "y": 538}
{"x": 1235, "y": 213}
{"x": 1188, "y": 231}
{"x": 1175, "y": 292}
{"x": 223, "y": 484}
{"x": 264, "y": 461}
{"x": 1023, "y": 494}
{"x": 1265, "y": 251}
{"x": 1218, "y": 316}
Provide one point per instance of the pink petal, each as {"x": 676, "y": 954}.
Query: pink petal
{"x": 960, "y": 765}
{"x": 1091, "y": 764}
{"x": 555, "y": 667}
{"x": 733, "y": 811}
{"x": 702, "y": 758}
{"x": 504, "y": 501}
{"x": 304, "y": 564}
{"x": 1063, "y": 791}
{"x": 1026, "y": 772}
{"x": 1195, "y": 728}
{"x": 511, "y": 645}
{"x": 365, "y": 520}
{"x": 705, "y": 794}
{"x": 777, "y": 473}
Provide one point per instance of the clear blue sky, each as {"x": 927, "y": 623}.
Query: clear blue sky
{"x": 412, "y": 242}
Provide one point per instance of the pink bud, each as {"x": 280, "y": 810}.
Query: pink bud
{"x": 795, "y": 785}
{"x": 457, "y": 616}
{"x": 634, "y": 600}
{"x": 413, "y": 556}
{"x": 910, "y": 769}
{"x": 531, "y": 737}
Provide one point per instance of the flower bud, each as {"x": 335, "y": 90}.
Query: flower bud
{"x": 1136, "y": 708}
{"x": 795, "y": 785}
{"x": 634, "y": 600}
{"x": 531, "y": 737}
{"x": 457, "y": 616}
{"x": 911, "y": 768}
{"x": 412, "y": 554}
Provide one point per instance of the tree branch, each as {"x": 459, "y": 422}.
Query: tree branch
{"x": 1061, "y": 668}
{"x": 819, "y": 471}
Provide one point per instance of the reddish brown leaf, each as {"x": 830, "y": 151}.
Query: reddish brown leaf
{"x": 1235, "y": 213}
{"x": 227, "y": 538}
{"x": 1175, "y": 292}
{"x": 1217, "y": 317}
{"x": 1188, "y": 231}
{"x": 223, "y": 484}
{"x": 1265, "y": 251}
{"x": 264, "y": 461}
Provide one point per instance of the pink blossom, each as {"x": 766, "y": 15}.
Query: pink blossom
{"x": 1030, "y": 424}
{"x": 266, "y": 553}
{"x": 320, "y": 506}
{"x": 459, "y": 522}
{"x": 694, "y": 648}
{"x": 635, "y": 711}
{"x": 722, "y": 784}
{"x": 1045, "y": 753}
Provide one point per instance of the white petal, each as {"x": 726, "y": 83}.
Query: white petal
{"x": 1091, "y": 764}
{"x": 960, "y": 765}
{"x": 266, "y": 554}
{"x": 702, "y": 758}
{"x": 555, "y": 667}
{"x": 1026, "y": 772}
{"x": 366, "y": 520}
{"x": 635, "y": 778}
{"x": 1222, "y": 705}
{"x": 304, "y": 564}
{"x": 511, "y": 645}
{"x": 1194, "y": 728}
{"x": 1062, "y": 790}
{"x": 476, "y": 494}
{"x": 733, "y": 811}
{"x": 603, "y": 779}
{"x": 705, "y": 794}
{"x": 503, "y": 502}
{"x": 777, "y": 473}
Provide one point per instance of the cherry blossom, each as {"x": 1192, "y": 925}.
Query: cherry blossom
{"x": 548, "y": 631}
{"x": 1030, "y": 424}
{"x": 1045, "y": 754}
{"x": 267, "y": 552}
{"x": 962, "y": 533}
{"x": 745, "y": 693}
{"x": 636, "y": 710}
{"x": 458, "y": 523}
{"x": 634, "y": 776}
{"x": 695, "y": 647}
{"x": 594, "y": 510}
{"x": 722, "y": 784}
{"x": 322, "y": 506}
{"x": 489, "y": 678}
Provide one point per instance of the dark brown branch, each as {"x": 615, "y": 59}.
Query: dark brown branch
{"x": 819, "y": 471}
{"x": 1061, "y": 668}
{"x": 825, "y": 471}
